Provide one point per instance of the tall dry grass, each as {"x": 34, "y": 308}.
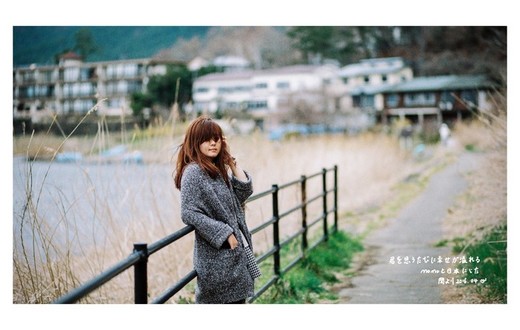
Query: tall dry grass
{"x": 485, "y": 203}
{"x": 483, "y": 206}
{"x": 88, "y": 231}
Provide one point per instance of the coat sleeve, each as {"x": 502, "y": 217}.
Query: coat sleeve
{"x": 242, "y": 189}
{"x": 194, "y": 210}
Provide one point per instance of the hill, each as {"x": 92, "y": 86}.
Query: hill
{"x": 40, "y": 44}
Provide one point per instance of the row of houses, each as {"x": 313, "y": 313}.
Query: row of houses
{"x": 74, "y": 86}
{"x": 354, "y": 96}
{"x": 359, "y": 94}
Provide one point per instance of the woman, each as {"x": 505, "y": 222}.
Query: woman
{"x": 213, "y": 191}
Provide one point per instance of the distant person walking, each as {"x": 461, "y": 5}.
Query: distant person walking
{"x": 406, "y": 137}
{"x": 213, "y": 191}
{"x": 444, "y": 132}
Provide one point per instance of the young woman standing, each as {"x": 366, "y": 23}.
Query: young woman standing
{"x": 213, "y": 190}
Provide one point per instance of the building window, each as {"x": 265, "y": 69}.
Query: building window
{"x": 71, "y": 74}
{"x": 135, "y": 86}
{"x": 28, "y": 77}
{"x": 201, "y": 90}
{"x": 345, "y": 80}
{"x": 366, "y": 79}
{"x": 261, "y": 85}
{"x": 87, "y": 73}
{"x": 384, "y": 78}
{"x": 282, "y": 85}
{"x": 46, "y": 76}
{"x": 419, "y": 99}
{"x": 392, "y": 100}
{"x": 225, "y": 90}
{"x": 255, "y": 105}
{"x": 363, "y": 101}
{"x": 242, "y": 88}
{"x": 122, "y": 87}
{"x": 469, "y": 97}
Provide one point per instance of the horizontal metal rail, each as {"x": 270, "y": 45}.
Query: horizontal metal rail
{"x": 139, "y": 257}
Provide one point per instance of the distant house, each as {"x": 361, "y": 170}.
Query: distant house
{"x": 231, "y": 63}
{"x": 441, "y": 98}
{"x": 263, "y": 93}
{"x": 74, "y": 86}
{"x": 197, "y": 63}
{"x": 362, "y": 80}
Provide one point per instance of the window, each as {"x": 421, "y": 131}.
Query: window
{"x": 384, "y": 78}
{"x": 225, "y": 90}
{"x": 419, "y": 99}
{"x": 28, "y": 77}
{"x": 363, "y": 101}
{"x": 71, "y": 74}
{"x": 134, "y": 86}
{"x": 345, "y": 80}
{"x": 366, "y": 79}
{"x": 282, "y": 85}
{"x": 392, "y": 100}
{"x": 261, "y": 85}
{"x": 46, "y": 76}
{"x": 82, "y": 106}
{"x": 86, "y": 89}
{"x": 201, "y": 90}
{"x": 255, "y": 105}
{"x": 122, "y": 87}
{"x": 469, "y": 96}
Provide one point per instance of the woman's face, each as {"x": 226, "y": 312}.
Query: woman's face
{"x": 211, "y": 148}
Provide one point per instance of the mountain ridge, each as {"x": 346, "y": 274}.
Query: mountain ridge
{"x": 40, "y": 44}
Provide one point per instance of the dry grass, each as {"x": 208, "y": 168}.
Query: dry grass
{"x": 89, "y": 234}
{"x": 484, "y": 204}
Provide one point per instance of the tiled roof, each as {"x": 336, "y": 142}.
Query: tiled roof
{"x": 436, "y": 83}
{"x": 373, "y": 66}
{"x": 231, "y": 75}
{"x": 70, "y": 56}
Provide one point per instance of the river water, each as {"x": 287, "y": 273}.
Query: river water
{"x": 78, "y": 205}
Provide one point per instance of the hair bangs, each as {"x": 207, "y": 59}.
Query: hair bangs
{"x": 208, "y": 130}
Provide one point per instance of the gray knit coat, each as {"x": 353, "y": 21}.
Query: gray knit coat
{"x": 215, "y": 210}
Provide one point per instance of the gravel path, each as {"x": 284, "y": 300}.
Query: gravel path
{"x": 413, "y": 234}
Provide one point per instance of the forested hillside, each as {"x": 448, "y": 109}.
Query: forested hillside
{"x": 41, "y": 44}
{"x": 430, "y": 50}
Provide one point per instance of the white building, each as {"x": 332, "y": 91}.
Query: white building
{"x": 74, "y": 87}
{"x": 265, "y": 93}
{"x": 361, "y": 80}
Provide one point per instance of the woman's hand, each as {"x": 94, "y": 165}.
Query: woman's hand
{"x": 233, "y": 165}
{"x": 233, "y": 242}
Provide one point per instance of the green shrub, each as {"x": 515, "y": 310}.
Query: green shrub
{"x": 305, "y": 282}
{"x": 490, "y": 257}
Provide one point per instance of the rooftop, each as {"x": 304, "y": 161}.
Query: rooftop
{"x": 449, "y": 82}
{"x": 373, "y": 66}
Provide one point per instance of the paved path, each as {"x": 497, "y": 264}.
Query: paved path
{"x": 413, "y": 233}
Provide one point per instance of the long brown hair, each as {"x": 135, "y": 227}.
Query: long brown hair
{"x": 199, "y": 131}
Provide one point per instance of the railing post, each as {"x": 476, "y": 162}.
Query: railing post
{"x": 141, "y": 275}
{"x": 305, "y": 243}
{"x": 325, "y": 211}
{"x": 276, "y": 231}
{"x": 335, "y": 197}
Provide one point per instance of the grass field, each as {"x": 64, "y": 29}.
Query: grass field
{"x": 369, "y": 166}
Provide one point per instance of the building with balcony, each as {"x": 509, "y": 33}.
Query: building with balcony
{"x": 362, "y": 80}
{"x": 265, "y": 94}
{"x": 438, "y": 98}
{"x": 74, "y": 87}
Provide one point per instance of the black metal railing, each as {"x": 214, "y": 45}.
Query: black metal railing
{"x": 142, "y": 251}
